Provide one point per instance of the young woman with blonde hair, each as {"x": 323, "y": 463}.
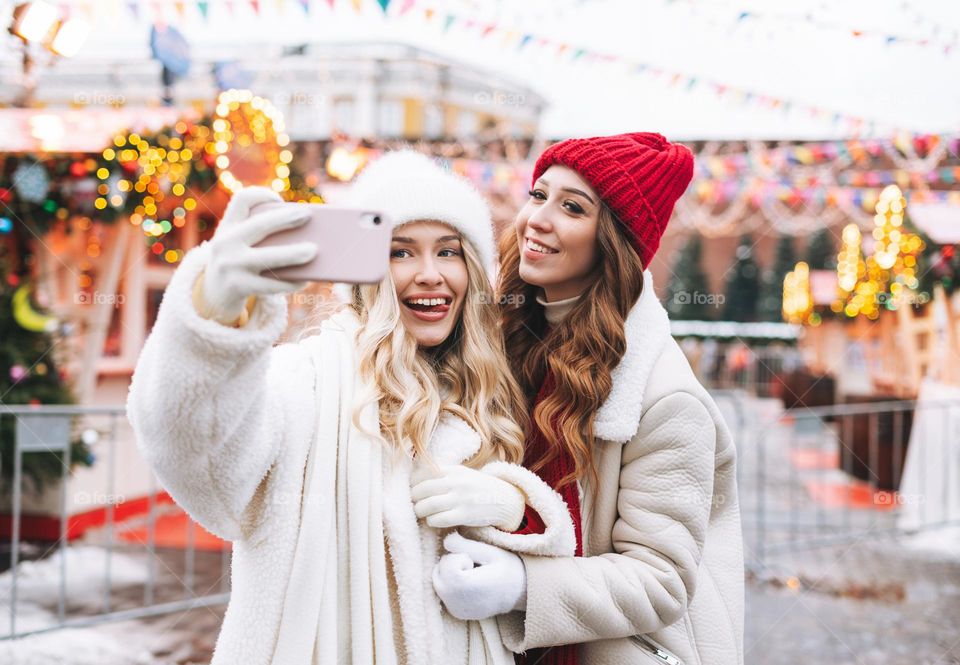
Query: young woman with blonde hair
{"x": 619, "y": 425}
{"x": 304, "y": 454}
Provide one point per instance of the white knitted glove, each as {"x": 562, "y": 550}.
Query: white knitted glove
{"x": 478, "y": 581}
{"x": 233, "y": 272}
{"x": 461, "y": 496}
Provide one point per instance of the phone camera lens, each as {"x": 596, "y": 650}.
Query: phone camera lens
{"x": 376, "y": 220}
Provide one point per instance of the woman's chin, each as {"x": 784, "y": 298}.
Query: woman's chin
{"x": 532, "y": 275}
{"x": 427, "y": 335}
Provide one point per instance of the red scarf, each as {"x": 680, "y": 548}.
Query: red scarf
{"x": 560, "y": 466}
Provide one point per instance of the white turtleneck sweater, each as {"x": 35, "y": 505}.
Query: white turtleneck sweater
{"x": 557, "y": 310}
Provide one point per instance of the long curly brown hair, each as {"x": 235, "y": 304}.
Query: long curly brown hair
{"x": 582, "y": 353}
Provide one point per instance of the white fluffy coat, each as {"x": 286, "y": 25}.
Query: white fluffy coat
{"x": 257, "y": 444}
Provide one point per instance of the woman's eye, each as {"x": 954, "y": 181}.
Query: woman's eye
{"x": 573, "y": 207}
{"x": 537, "y": 194}
{"x": 449, "y": 252}
{"x": 398, "y": 253}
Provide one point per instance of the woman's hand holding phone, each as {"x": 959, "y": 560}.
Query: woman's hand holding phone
{"x": 234, "y": 270}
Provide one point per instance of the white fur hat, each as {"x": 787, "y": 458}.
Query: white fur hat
{"x": 410, "y": 186}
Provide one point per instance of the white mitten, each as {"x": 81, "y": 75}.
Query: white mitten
{"x": 233, "y": 272}
{"x": 477, "y": 581}
{"x": 461, "y": 496}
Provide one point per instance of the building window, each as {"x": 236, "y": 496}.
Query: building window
{"x": 343, "y": 115}
{"x": 390, "y": 118}
{"x": 113, "y": 345}
{"x": 466, "y": 124}
{"x": 154, "y": 296}
{"x": 432, "y": 121}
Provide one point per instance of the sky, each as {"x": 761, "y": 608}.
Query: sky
{"x": 855, "y": 58}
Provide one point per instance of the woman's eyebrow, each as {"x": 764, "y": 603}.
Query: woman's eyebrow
{"x": 411, "y": 241}
{"x": 572, "y": 190}
{"x": 577, "y": 191}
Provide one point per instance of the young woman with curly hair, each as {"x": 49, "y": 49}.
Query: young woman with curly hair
{"x": 620, "y": 426}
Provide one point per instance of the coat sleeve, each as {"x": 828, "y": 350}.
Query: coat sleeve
{"x": 557, "y": 538}
{"x": 663, "y": 503}
{"x": 211, "y": 405}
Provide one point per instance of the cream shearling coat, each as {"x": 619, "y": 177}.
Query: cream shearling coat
{"x": 663, "y": 551}
{"x": 257, "y": 443}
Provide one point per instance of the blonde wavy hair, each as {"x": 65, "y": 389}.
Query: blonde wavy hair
{"x": 467, "y": 375}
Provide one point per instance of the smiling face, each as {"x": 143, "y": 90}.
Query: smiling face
{"x": 430, "y": 275}
{"x": 557, "y": 234}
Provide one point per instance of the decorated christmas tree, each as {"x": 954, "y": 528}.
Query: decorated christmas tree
{"x": 938, "y": 264}
{"x": 770, "y": 307}
{"x": 688, "y": 285}
{"x": 743, "y": 284}
{"x": 29, "y": 374}
{"x": 822, "y": 251}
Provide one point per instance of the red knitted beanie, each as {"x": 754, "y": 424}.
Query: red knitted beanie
{"x": 639, "y": 176}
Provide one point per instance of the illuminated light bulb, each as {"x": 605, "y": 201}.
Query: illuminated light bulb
{"x": 34, "y": 21}
{"x": 70, "y": 37}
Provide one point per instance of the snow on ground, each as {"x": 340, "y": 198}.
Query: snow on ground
{"x": 79, "y": 646}
{"x": 38, "y": 589}
{"x": 86, "y": 575}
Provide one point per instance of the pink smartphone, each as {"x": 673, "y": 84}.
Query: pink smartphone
{"x": 353, "y": 244}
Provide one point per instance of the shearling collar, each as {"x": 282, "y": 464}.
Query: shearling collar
{"x": 647, "y": 330}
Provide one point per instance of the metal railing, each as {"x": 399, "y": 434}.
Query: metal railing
{"x": 171, "y": 580}
{"x": 836, "y": 475}
{"x": 808, "y": 478}
{"x": 759, "y": 370}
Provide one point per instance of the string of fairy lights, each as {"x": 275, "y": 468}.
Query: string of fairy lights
{"x": 160, "y": 168}
{"x": 885, "y": 279}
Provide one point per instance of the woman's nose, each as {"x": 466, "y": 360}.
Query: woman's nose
{"x": 428, "y": 272}
{"x": 540, "y": 220}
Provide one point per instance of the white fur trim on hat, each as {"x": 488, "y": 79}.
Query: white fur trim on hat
{"x": 410, "y": 186}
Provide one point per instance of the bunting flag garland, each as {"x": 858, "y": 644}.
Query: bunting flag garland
{"x": 889, "y": 39}
{"x": 943, "y": 38}
{"x": 758, "y": 192}
{"x": 857, "y": 125}
{"x": 914, "y": 148}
